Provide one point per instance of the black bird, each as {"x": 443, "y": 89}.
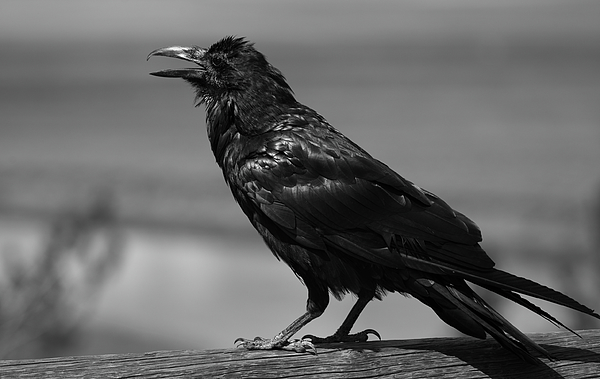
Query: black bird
{"x": 342, "y": 220}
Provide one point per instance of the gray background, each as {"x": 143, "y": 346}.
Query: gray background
{"x": 492, "y": 105}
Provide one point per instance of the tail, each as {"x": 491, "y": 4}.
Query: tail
{"x": 504, "y": 284}
{"x": 471, "y": 315}
{"x": 466, "y": 311}
{"x": 463, "y": 309}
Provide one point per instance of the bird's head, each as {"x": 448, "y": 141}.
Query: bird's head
{"x": 230, "y": 69}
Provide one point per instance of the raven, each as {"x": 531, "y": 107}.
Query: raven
{"x": 343, "y": 221}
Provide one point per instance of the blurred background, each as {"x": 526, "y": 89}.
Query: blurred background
{"x": 118, "y": 234}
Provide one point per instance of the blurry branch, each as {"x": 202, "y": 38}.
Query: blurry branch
{"x": 44, "y": 301}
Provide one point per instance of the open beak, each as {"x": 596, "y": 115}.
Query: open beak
{"x": 193, "y": 54}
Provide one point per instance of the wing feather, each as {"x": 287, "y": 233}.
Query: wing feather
{"x": 336, "y": 189}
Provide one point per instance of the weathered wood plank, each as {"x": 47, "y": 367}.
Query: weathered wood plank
{"x": 424, "y": 358}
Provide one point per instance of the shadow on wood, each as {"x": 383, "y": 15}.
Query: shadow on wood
{"x": 424, "y": 358}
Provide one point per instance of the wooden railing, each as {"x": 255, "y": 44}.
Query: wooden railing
{"x": 461, "y": 357}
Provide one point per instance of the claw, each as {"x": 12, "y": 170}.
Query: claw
{"x": 357, "y": 337}
{"x": 249, "y": 344}
{"x": 239, "y": 342}
{"x": 301, "y": 346}
{"x": 242, "y": 340}
{"x": 258, "y": 343}
{"x": 373, "y": 332}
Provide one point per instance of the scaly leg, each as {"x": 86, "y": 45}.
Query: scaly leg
{"x": 281, "y": 340}
{"x": 318, "y": 299}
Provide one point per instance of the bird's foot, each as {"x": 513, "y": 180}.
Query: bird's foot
{"x": 277, "y": 343}
{"x": 338, "y": 337}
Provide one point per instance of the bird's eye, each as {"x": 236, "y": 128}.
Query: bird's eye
{"x": 218, "y": 62}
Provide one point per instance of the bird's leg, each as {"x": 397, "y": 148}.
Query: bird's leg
{"x": 343, "y": 332}
{"x": 281, "y": 340}
{"x": 315, "y": 306}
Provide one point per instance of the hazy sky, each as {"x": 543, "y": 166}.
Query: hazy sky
{"x": 268, "y": 20}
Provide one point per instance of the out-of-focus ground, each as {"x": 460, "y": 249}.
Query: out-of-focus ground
{"x": 107, "y": 170}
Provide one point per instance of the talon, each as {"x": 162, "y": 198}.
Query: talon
{"x": 364, "y": 335}
{"x": 301, "y": 346}
{"x": 259, "y": 343}
{"x": 311, "y": 350}
{"x": 373, "y": 332}
{"x": 357, "y": 337}
{"x": 240, "y": 342}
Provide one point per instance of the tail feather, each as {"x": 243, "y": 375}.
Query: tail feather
{"x": 502, "y": 283}
{"x": 472, "y": 307}
{"x": 463, "y": 309}
{"x": 532, "y": 307}
{"x": 506, "y": 281}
